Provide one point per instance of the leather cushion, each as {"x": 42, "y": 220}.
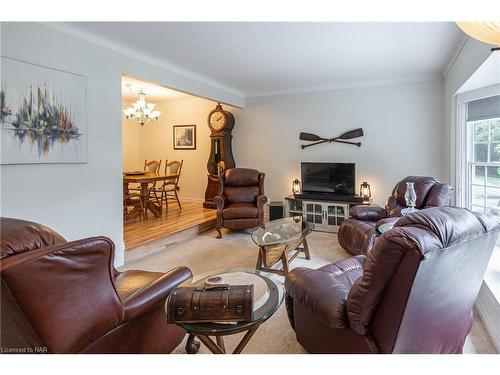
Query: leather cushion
{"x": 18, "y": 236}
{"x": 448, "y": 226}
{"x": 440, "y": 195}
{"x": 241, "y": 177}
{"x": 240, "y": 211}
{"x": 238, "y": 194}
{"x": 320, "y": 293}
{"x": 356, "y": 236}
{"x": 368, "y": 213}
{"x": 346, "y": 271}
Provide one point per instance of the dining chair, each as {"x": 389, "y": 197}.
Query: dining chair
{"x": 169, "y": 189}
{"x": 152, "y": 166}
{"x": 133, "y": 200}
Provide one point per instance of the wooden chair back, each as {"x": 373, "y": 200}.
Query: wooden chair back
{"x": 152, "y": 166}
{"x": 174, "y": 167}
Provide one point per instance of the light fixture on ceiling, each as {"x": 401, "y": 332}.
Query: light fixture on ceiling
{"x": 141, "y": 111}
{"x": 487, "y": 32}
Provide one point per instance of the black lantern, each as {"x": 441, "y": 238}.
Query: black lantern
{"x": 365, "y": 191}
{"x": 296, "y": 186}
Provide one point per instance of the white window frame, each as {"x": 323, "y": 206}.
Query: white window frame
{"x": 470, "y": 167}
{"x": 462, "y": 172}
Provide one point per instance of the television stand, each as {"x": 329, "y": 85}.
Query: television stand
{"x": 354, "y": 199}
{"x": 325, "y": 212}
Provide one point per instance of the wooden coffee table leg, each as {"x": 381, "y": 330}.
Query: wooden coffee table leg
{"x": 244, "y": 340}
{"x": 220, "y": 343}
{"x": 306, "y": 249}
{"x": 258, "y": 266}
{"x": 192, "y": 345}
{"x": 284, "y": 261}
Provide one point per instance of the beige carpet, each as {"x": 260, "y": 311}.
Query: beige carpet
{"x": 205, "y": 253}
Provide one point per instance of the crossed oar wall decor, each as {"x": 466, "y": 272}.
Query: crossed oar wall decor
{"x": 356, "y": 133}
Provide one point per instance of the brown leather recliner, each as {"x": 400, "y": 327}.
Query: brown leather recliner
{"x": 413, "y": 293}
{"x": 358, "y": 234}
{"x": 241, "y": 199}
{"x": 67, "y": 297}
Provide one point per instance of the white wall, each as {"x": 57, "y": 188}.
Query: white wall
{"x": 155, "y": 141}
{"x": 81, "y": 200}
{"x": 131, "y": 132}
{"x": 402, "y": 125}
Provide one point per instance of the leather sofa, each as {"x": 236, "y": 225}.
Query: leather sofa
{"x": 413, "y": 293}
{"x": 67, "y": 297}
{"x": 241, "y": 199}
{"x": 358, "y": 234}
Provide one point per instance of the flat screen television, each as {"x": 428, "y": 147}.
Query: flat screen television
{"x": 328, "y": 178}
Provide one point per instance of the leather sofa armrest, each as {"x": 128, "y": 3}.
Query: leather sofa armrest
{"x": 367, "y": 213}
{"x": 147, "y": 298}
{"x": 220, "y": 201}
{"x": 319, "y": 292}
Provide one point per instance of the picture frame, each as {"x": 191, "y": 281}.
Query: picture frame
{"x": 184, "y": 137}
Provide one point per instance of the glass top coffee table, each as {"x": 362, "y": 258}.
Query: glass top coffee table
{"x": 277, "y": 238}
{"x": 268, "y": 296}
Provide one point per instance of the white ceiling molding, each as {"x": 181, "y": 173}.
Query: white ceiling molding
{"x": 352, "y": 85}
{"x": 249, "y": 59}
{"x": 455, "y": 55}
{"x": 68, "y": 28}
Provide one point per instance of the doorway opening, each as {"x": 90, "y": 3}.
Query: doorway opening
{"x": 165, "y": 149}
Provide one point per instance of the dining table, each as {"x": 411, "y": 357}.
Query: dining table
{"x": 145, "y": 179}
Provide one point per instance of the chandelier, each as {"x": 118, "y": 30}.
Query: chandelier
{"x": 141, "y": 111}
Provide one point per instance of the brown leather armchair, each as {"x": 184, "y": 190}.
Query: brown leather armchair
{"x": 67, "y": 297}
{"x": 413, "y": 293}
{"x": 241, "y": 199}
{"x": 358, "y": 234}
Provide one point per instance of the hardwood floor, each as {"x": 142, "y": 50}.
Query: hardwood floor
{"x": 139, "y": 232}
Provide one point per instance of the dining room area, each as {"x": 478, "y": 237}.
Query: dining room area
{"x": 165, "y": 150}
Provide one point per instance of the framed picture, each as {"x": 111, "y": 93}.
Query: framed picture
{"x": 42, "y": 114}
{"x": 184, "y": 137}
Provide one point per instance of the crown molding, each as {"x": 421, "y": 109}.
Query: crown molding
{"x": 455, "y": 55}
{"x": 351, "y": 85}
{"x": 119, "y": 48}
{"x": 122, "y": 49}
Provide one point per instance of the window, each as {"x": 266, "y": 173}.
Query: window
{"x": 483, "y": 155}
{"x": 480, "y": 152}
{"x": 484, "y": 168}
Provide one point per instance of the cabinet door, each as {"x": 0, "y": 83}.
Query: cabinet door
{"x": 313, "y": 212}
{"x": 336, "y": 213}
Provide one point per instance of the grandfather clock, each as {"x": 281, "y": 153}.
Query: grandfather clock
{"x": 221, "y": 158}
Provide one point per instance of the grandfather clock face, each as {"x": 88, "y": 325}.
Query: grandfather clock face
{"x": 217, "y": 120}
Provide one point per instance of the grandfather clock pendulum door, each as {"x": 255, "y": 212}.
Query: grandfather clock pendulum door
{"x": 221, "y": 124}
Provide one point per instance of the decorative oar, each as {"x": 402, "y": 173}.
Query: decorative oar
{"x": 340, "y": 139}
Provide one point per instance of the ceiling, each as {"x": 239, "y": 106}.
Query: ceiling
{"x": 252, "y": 59}
{"x": 487, "y": 74}
{"x": 154, "y": 92}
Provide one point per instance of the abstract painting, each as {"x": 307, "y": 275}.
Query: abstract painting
{"x": 42, "y": 114}
{"x": 184, "y": 137}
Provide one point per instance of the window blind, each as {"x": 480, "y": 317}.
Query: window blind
{"x": 483, "y": 109}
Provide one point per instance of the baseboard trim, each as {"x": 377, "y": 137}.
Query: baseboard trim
{"x": 489, "y": 311}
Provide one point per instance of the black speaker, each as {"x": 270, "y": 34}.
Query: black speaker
{"x": 276, "y": 211}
